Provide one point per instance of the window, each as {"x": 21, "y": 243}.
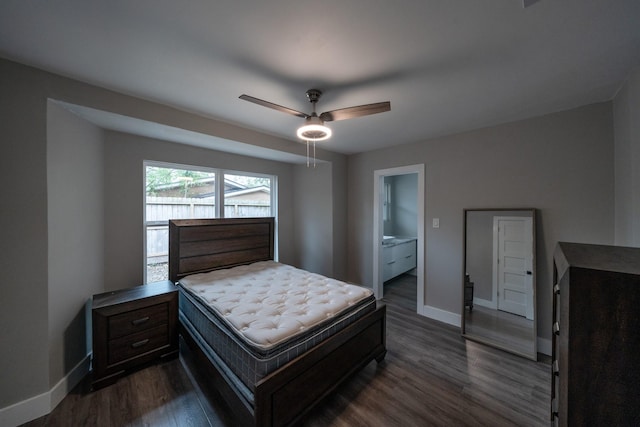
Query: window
{"x": 172, "y": 193}
{"x": 184, "y": 192}
{"x": 247, "y": 196}
{"x": 386, "y": 212}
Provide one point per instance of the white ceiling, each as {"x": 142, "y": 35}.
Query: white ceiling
{"x": 446, "y": 65}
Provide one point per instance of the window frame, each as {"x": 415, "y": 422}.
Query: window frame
{"x": 218, "y": 197}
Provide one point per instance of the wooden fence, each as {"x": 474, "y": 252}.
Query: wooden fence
{"x": 161, "y": 209}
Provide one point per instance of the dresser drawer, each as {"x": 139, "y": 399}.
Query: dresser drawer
{"x": 136, "y": 344}
{"x": 138, "y": 320}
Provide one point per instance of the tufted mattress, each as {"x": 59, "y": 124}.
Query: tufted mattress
{"x": 257, "y": 317}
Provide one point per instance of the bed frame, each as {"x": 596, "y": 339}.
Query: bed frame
{"x": 284, "y": 396}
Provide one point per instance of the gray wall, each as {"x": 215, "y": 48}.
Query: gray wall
{"x": 339, "y": 205}
{"x": 560, "y": 163}
{"x": 627, "y": 160}
{"x": 76, "y": 234}
{"x": 24, "y": 359}
{"x": 319, "y": 217}
{"x": 313, "y": 232}
{"x": 43, "y": 335}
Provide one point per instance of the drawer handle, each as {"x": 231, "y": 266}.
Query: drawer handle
{"x": 556, "y": 289}
{"x": 139, "y": 343}
{"x": 391, "y": 262}
{"x": 140, "y": 321}
{"x": 408, "y": 256}
{"x": 556, "y": 328}
{"x": 556, "y": 368}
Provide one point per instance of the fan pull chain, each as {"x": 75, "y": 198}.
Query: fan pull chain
{"x": 314, "y": 153}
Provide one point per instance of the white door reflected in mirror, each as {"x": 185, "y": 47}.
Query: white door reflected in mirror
{"x": 499, "y": 281}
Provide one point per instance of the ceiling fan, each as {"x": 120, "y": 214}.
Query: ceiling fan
{"x": 314, "y": 128}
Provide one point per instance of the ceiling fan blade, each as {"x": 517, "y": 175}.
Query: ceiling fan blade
{"x": 273, "y": 106}
{"x": 352, "y": 112}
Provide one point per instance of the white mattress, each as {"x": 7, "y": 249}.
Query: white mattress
{"x": 268, "y": 303}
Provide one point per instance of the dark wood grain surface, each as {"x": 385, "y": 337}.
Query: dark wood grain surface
{"x": 133, "y": 327}
{"x": 597, "y": 339}
{"x": 199, "y": 245}
{"x": 122, "y": 296}
{"x": 430, "y": 377}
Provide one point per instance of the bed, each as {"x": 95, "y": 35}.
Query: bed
{"x": 273, "y": 382}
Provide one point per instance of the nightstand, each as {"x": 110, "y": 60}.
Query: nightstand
{"x": 133, "y": 327}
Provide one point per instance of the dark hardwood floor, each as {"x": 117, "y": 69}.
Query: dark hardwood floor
{"x": 430, "y": 377}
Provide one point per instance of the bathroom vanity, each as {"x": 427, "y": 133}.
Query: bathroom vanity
{"x": 399, "y": 256}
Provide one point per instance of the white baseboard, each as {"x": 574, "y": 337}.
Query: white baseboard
{"x": 441, "y": 315}
{"x": 42, "y": 404}
{"x": 25, "y": 411}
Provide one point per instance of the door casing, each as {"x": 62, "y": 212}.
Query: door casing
{"x": 378, "y": 197}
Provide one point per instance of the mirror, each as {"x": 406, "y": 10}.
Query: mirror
{"x": 499, "y": 279}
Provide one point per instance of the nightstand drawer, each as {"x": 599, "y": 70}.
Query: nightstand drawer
{"x": 138, "y": 320}
{"x": 136, "y": 344}
{"x": 131, "y": 328}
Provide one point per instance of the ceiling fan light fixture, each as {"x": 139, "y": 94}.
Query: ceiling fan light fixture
{"x": 314, "y": 130}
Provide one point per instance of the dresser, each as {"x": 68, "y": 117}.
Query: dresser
{"x": 596, "y": 336}
{"x": 133, "y": 327}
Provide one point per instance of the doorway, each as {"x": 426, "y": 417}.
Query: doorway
{"x": 379, "y": 198}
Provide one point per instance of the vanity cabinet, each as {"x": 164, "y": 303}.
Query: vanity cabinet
{"x": 398, "y": 258}
{"x": 596, "y": 335}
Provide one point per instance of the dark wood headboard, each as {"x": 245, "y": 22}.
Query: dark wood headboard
{"x": 200, "y": 245}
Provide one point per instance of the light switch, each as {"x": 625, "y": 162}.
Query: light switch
{"x": 436, "y": 222}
